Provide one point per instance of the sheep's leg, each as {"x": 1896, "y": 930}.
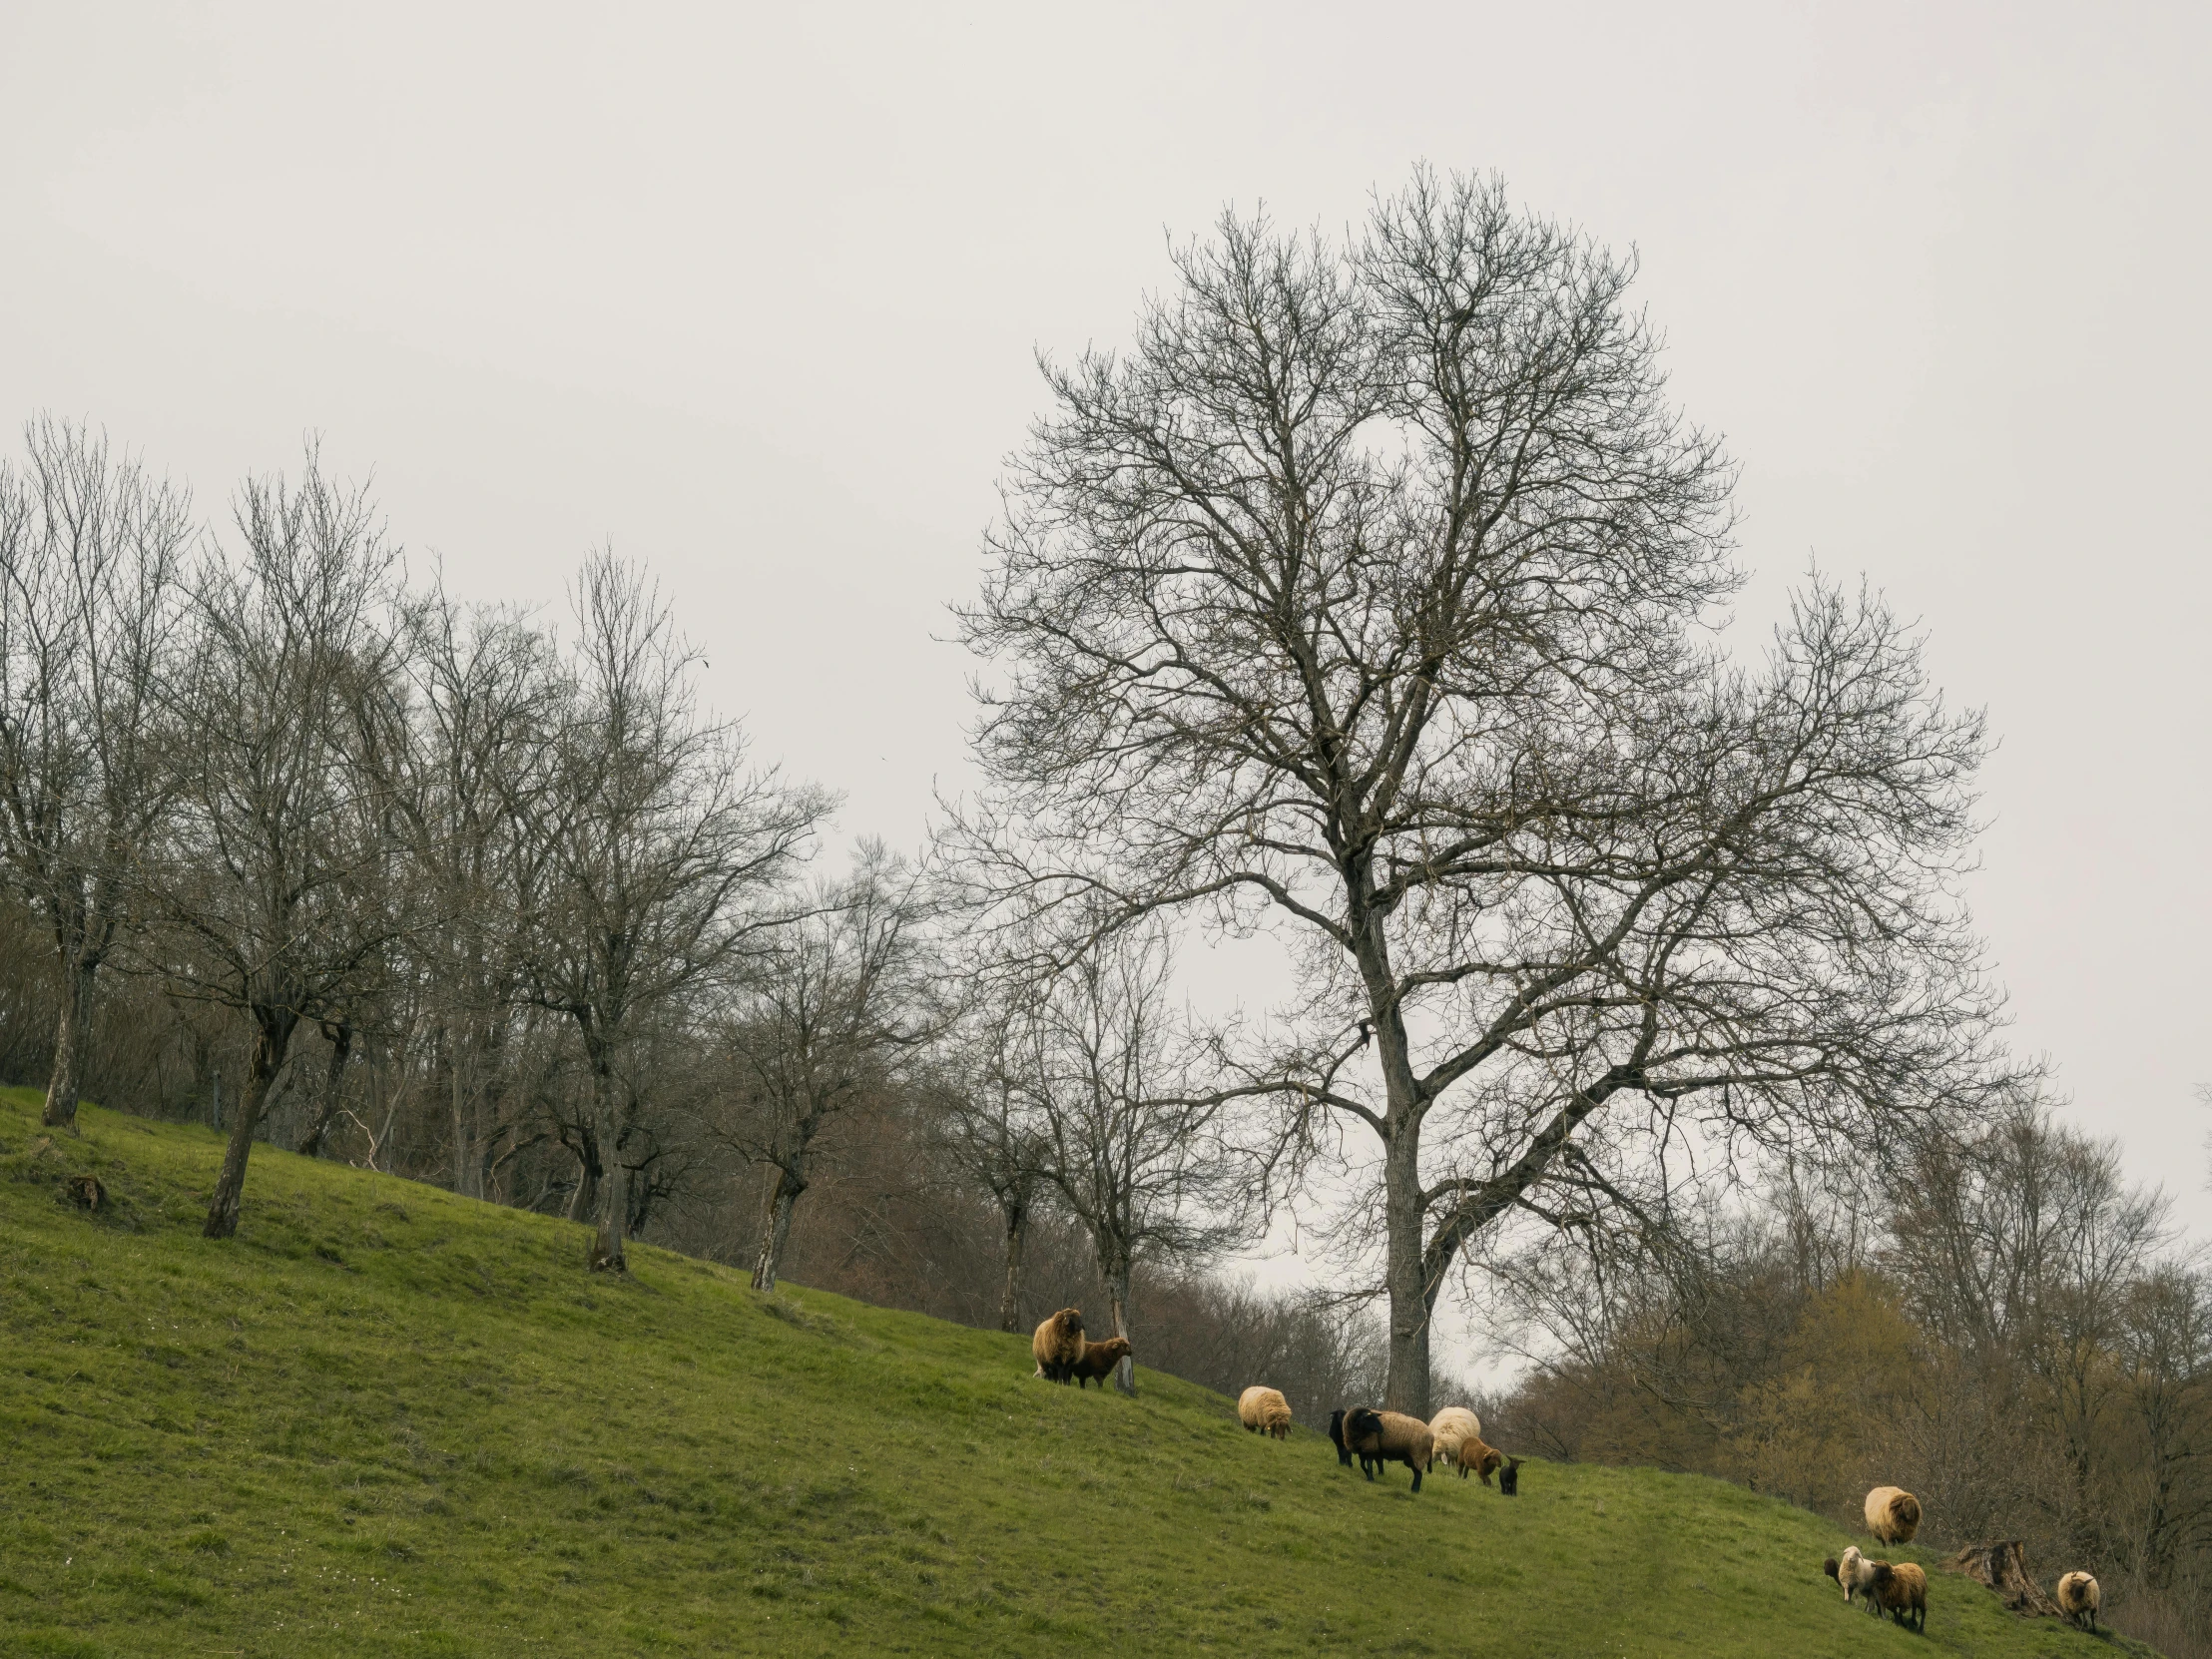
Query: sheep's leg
{"x": 1417, "y": 1478}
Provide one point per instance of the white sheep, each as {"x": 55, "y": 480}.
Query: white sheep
{"x": 2079, "y": 1598}
{"x": 1452, "y": 1429}
{"x": 1893, "y": 1514}
{"x": 1264, "y": 1411}
{"x": 1853, "y": 1573}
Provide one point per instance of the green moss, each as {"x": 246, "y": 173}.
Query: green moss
{"x": 384, "y": 1419}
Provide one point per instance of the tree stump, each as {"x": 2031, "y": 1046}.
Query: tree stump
{"x": 86, "y": 1192}
{"x": 2004, "y": 1568}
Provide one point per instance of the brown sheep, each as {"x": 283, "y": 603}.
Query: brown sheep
{"x": 1058, "y": 1343}
{"x": 1388, "y": 1438}
{"x": 2079, "y": 1598}
{"x": 1898, "y": 1589}
{"x": 1098, "y": 1359}
{"x": 1264, "y": 1411}
{"x": 1485, "y": 1460}
{"x": 1893, "y": 1514}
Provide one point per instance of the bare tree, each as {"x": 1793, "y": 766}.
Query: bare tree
{"x": 832, "y": 1009}
{"x": 664, "y": 859}
{"x": 89, "y": 557}
{"x": 1138, "y": 1157}
{"x": 276, "y": 889}
{"x": 1361, "y": 601}
{"x": 470, "y": 774}
{"x": 995, "y": 1138}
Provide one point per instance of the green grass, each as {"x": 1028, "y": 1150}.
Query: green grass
{"x": 387, "y": 1420}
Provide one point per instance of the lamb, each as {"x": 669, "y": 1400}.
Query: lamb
{"x": 1452, "y": 1429}
{"x": 2079, "y": 1598}
{"x": 1898, "y": 1589}
{"x": 1098, "y": 1359}
{"x": 1058, "y": 1343}
{"x": 1388, "y": 1438}
{"x": 1508, "y": 1477}
{"x": 1265, "y": 1411}
{"x": 1893, "y": 1514}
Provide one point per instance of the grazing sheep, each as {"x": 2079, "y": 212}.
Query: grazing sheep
{"x": 1388, "y": 1438}
{"x": 1337, "y": 1438}
{"x": 1265, "y": 1411}
{"x": 1098, "y": 1359}
{"x": 1058, "y": 1343}
{"x": 1508, "y": 1477}
{"x": 1853, "y": 1573}
{"x": 1898, "y": 1589}
{"x": 1452, "y": 1428}
{"x": 1893, "y": 1514}
{"x": 2079, "y": 1598}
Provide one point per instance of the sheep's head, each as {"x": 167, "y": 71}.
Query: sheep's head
{"x": 1508, "y": 1477}
{"x": 1070, "y": 1322}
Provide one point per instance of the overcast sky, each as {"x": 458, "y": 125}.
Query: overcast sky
{"x": 753, "y": 293}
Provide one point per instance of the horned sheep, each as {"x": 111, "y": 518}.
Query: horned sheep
{"x": 1264, "y": 1411}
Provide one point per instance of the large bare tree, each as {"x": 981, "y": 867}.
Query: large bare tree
{"x": 90, "y": 550}
{"x": 278, "y": 891}
{"x": 665, "y": 858}
{"x": 1367, "y": 600}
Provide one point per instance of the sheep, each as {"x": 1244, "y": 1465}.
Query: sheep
{"x": 1853, "y": 1573}
{"x": 1893, "y": 1514}
{"x": 2079, "y": 1598}
{"x": 1451, "y": 1428}
{"x": 1508, "y": 1477}
{"x": 1898, "y": 1589}
{"x": 1265, "y": 1411}
{"x": 1058, "y": 1343}
{"x": 1337, "y": 1439}
{"x": 1389, "y": 1438}
{"x": 1098, "y": 1360}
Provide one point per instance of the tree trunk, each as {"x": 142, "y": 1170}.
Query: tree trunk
{"x": 1117, "y": 1306}
{"x": 1406, "y": 1279}
{"x": 270, "y": 1043}
{"x": 607, "y": 1253}
{"x": 1010, "y": 1307}
{"x": 333, "y": 1082}
{"x": 72, "y": 1040}
{"x": 783, "y": 1197}
{"x": 583, "y": 1203}
{"x": 2004, "y": 1568}
{"x": 465, "y": 1161}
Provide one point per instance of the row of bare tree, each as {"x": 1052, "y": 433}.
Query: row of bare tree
{"x": 1999, "y": 1323}
{"x": 516, "y": 890}
{"x": 1367, "y": 604}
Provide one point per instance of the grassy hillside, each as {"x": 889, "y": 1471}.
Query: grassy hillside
{"x": 384, "y": 1419}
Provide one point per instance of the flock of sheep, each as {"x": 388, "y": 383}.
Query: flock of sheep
{"x": 1456, "y": 1435}
{"x": 1375, "y": 1438}
{"x": 1900, "y": 1588}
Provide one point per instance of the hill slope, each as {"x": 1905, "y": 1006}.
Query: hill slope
{"x": 384, "y": 1419}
